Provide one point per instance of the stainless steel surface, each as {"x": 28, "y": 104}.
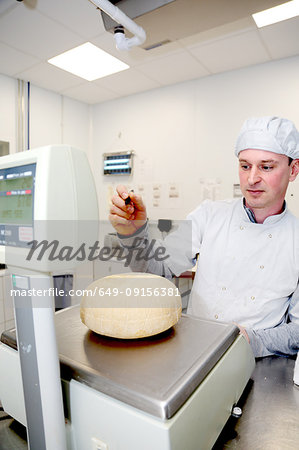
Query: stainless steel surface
{"x": 156, "y": 375}
{"x": 270, "y": 419}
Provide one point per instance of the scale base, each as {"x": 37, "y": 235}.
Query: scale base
{"x": 95, "y": 417}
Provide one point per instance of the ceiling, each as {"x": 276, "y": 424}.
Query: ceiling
{"x": 202, "y": 43}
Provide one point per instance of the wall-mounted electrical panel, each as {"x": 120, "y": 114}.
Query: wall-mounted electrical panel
{"x": 118, "y": 163}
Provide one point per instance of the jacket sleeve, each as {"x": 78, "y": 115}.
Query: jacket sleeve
{"x": 167, "y": 257}
{"x": 280, "y": 340}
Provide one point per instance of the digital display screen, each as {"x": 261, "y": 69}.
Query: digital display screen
{"x": 17, "y": 204}
{"x": 16, "y": 183}
{"x": 16, "y": 209}
{"x": 16, "y": 195}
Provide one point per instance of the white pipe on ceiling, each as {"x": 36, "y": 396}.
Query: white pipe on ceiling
{"x": 122, "y": 43}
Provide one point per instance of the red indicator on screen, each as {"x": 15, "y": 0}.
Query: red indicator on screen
{"x": 8, "y": 193}
{"x": 28, "y": 191}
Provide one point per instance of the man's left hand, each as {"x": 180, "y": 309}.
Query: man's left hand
{"x": 242, "y": 331}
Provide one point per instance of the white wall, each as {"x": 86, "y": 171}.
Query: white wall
{"x": 186, "y": 133}
{"x": 8, "y": 110}
{"x": 55, "y": 119}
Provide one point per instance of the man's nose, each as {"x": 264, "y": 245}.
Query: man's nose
{"x": 254, "y": 176}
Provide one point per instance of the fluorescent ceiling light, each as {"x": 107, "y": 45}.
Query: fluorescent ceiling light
{"x": 89, "y": 62}
{"x": 277, "y": 14}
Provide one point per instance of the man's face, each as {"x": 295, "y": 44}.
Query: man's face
{"x": 264, "y": 178}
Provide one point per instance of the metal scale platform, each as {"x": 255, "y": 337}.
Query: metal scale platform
{"x": 171, "y": 391}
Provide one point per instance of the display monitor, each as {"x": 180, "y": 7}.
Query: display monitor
{"x": 48, "y": 198}
{"x": 17, "y": 186}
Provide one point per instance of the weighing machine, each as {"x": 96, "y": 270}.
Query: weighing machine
{"x": 171, "y": 391}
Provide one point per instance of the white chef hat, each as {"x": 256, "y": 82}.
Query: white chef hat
{"x": 273, "y": 134}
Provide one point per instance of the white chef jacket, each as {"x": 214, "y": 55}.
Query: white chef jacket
{"x": 247, "y": 272}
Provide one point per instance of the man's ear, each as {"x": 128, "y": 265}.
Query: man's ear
{"x": 294, "y": 169}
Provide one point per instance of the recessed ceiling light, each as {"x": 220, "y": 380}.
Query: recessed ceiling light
{"x": 277, "y": 14}
{"x": 89, "y": 62}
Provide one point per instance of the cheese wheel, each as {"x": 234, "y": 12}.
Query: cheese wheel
{"x": 131, "y": 305}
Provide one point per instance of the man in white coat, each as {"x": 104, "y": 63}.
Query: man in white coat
{"x": 247, "y": 249}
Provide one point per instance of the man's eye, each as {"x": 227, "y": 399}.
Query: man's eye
{"x": 267, "y": 168}
{"x": 244, "y": 167}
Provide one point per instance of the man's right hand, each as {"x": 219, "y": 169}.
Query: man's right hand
{"x": 127, "y": 219}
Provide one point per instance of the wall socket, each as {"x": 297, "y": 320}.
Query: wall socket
{"x": 98, "y": 445}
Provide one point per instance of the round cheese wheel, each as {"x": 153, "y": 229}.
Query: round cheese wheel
{"x": 131, "y": 305}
